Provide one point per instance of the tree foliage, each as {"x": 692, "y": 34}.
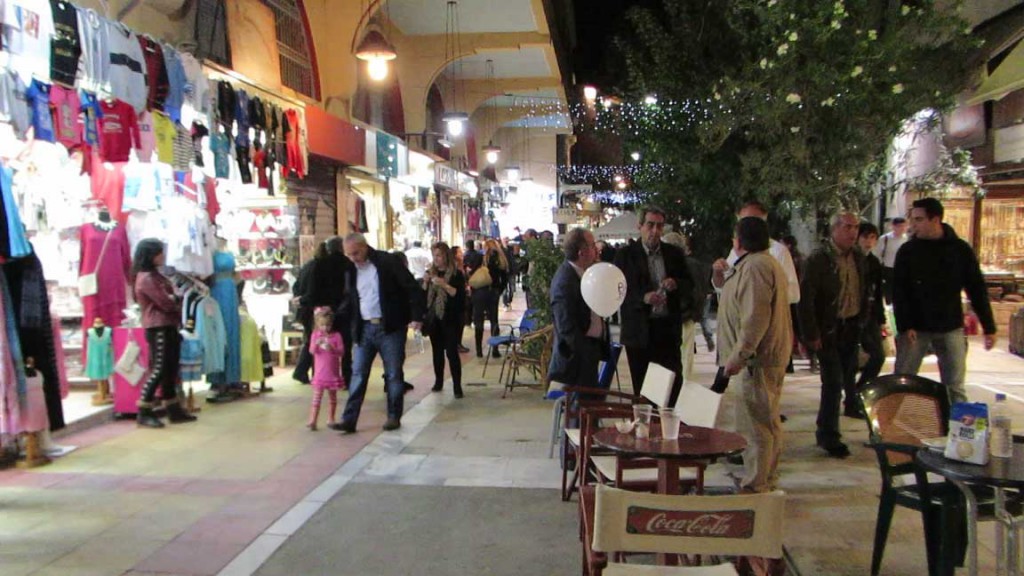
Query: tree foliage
{"x": 786, "y": 101}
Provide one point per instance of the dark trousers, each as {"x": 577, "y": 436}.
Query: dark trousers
{"x": 164, "y": 363}
{"x": 838, "y": 360}
{"x": 871, "y": 341}
{"x": 444, "y": 341}
{"x": 888, "y": 277}
{"x": 663, "y": 347}
{"x": 305, "y": 360}
{"x": 485, "y": 303}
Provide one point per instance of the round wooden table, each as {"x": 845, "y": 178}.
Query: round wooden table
{"x": 695, "y": 447}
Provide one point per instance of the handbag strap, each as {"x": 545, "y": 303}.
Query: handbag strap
{"x": 103, "y": 250}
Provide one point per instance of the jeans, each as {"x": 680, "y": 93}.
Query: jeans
{"x": 950, "y": 347}
{"x": 391, "y": 346}
{"x": 871, "y": 341}
{"x": 838, "y": 360}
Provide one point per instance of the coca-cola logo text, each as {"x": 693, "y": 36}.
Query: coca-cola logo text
{"x": 696, "y": 524}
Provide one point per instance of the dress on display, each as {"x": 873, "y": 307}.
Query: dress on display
{"x": 210, "y": 327}
{"x": 225, "y": 293}
{"x": 111, "y": 274}
{"x": 191, "y": 356}
{"x": 100, "y": 360}
{"x": 252, "y": 356}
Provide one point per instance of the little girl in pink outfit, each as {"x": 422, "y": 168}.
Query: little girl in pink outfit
{"x": 327, "y": 349}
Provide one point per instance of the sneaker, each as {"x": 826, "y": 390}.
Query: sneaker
{"x": 392, "y": 424}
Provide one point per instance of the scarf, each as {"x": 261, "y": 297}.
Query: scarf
{"x": 437, "y": 298}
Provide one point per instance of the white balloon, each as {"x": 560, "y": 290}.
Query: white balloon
{"x": 604, "y": 288}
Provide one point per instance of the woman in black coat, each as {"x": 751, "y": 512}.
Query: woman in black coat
{"x": 446, "y": 294}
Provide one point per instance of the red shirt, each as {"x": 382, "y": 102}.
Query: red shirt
{"x": 119, "y": 131}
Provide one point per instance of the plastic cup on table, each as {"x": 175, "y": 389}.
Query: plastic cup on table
{"x": 669, "y": 424}
{"x": 642, "y": 417}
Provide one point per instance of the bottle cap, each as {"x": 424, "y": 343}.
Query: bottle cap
{"x": 1000, "y": 397}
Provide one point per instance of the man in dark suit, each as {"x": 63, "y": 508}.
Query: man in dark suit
{"x": 659, "y": 296}
{"x": 322, "y": 283}
{"x": 382, "y": 300}
{"x": 579, "y": 332}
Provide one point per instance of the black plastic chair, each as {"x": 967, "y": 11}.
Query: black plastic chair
{"x": 901, "y": 411}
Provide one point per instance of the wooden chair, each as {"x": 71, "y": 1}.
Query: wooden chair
{"x": 580, "y": 399}
{"x": 526, "y": 325}
{"x": 521, "y": 357}
{"x": 901, "y": 411}
{"x": 616, "y": 521}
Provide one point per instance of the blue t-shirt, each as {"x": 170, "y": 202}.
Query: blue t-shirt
{"x": 38, "y": 97}
{"x": 91, "y": 115}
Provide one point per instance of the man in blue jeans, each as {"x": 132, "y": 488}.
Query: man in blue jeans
{"x": 931, "y": 271}
{"x": 383, "y": 299}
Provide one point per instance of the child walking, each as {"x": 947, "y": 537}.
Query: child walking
{"x": 327, "y": 348}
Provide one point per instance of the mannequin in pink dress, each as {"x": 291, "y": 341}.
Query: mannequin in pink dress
{"x": 111, "y": 274}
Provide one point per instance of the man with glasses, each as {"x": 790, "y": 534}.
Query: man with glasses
{"x": 659, "y": 295}
{"x": 579, "y": 332}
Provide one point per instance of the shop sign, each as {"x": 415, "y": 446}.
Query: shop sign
{"x": 446, "y": 176}
{"x": 563, "y": 215}
{"x": 1009, "y": 144}
{"x": 576, "y": 189}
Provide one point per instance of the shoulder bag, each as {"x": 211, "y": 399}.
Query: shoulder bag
{"x": 87, "y": 283}
{"x": 481, "y": 278}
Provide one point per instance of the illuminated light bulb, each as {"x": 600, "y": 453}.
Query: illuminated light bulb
{"x": 455, "y": 127}
{"x": 635, "y": 156}
{"x": 589, "y": 92}
{"x": 377, "y": 69}
{"x": 492, "y": 156}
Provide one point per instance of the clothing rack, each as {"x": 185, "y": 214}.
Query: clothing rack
{"x": 218, "y": 72}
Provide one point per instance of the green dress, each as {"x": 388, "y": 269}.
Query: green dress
{"x": 99, "y": 364}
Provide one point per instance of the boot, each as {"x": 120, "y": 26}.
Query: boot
{"x": 177, "y": 415}
{"x": 146, "y": 418}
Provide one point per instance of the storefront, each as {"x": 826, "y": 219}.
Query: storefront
{"x": 205, "y": 170}
{"x": 413, "y": 201}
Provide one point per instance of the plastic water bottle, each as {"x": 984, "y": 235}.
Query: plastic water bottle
{"x": 418, "y": 338}
{"x": 1001, "y": 442}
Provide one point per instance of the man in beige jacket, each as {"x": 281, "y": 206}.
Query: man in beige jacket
{"x": 755, "y": 336}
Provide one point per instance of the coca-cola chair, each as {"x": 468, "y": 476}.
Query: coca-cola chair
{"x": 572, "y": 423}
{"x": 696, "y": 406}
{"x": 714, "y": 527}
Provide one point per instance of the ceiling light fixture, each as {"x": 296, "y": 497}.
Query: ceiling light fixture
{"x": 454, "y": 119}
{"x": 492, "y": 152}
{"x": 589, "y": 93}
{"x": 374, "y": 48}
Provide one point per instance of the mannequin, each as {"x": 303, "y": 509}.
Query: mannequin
{"x": 100, "y": 361}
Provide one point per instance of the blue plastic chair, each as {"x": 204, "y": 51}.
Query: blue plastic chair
{"x": 604, "y": 381}
{"x": 526, "y": 324}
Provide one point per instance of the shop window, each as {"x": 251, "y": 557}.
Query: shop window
{"x": 295, "y": 46}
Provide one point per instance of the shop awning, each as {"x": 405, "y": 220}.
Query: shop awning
{"x": 334, "y": 138}
{"x": 1006, "y": 78}
{"x": 622, "y": 227}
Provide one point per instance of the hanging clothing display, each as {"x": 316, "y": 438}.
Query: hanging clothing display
{"x": 27, "y": 34}
{"x": 13, "y": 243}
{"x": 65, "y": 48}
{"x": 12, "y": 370}
{"x": 66, "y": 106}
{"x": 191, "y": 356}
{"x": 38, "y": 96}
{"x": 210, "y": 327}
{"x": 251, "y": 353}
{"x": 94, "y": 32}
{"x": 127, "y": 67}
{"x": 119, "y": 130}
{"x": 13, "y": 103}
{"x": 156, "y": 73}
{"x": 30, "y": 307}
{"x": 111, "y": 274}
{"x": 225, "y": 292}
{"x": 99, "y": 364}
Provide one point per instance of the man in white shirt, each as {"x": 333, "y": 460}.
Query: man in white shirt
{"x": 888, "y": 245}
{"x": 419, "y": 260}
{"x": 777, "y": 249}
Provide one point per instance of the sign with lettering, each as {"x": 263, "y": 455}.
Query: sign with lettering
{"x": 575, "y": 189}
{"x": 563, "y": 215}
{"x": 643, "y": 521}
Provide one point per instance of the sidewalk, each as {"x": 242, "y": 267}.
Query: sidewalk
{"x": 464, "y": 487}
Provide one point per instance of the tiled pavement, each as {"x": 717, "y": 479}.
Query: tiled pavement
{"x": 232, "y": 488}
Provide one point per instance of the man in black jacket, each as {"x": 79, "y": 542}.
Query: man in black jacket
{"x": 931, "y": 270}
{"x": 659, "y": 296}
{"x": 383, "y": 299}
{"x": 322, "y": 283}
{"x": 832, "y": 304}
{"x": 874, "y": 320}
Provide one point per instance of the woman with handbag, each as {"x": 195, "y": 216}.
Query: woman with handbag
{"x": 488, "y": 282}
{"x": 161, "y": 316}
{"x": 446, "y": 295}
